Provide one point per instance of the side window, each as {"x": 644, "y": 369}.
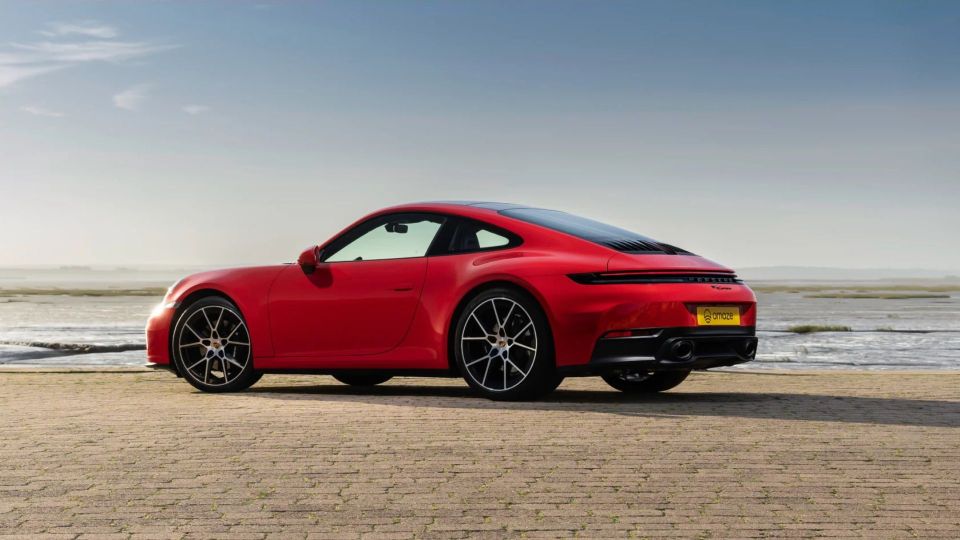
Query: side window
{"x": 476, "y": 236}
{"x": 489, "y": 239}
{"x": 398, "y": 236}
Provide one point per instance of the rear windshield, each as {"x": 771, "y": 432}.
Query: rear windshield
{"x": 594, "y": 231}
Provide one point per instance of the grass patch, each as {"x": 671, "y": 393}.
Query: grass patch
{"x": 877, "y": 295}
{"x": 917, "y": 287}
{"x": 146, "y": 291}
{"x": 811, "y": 328}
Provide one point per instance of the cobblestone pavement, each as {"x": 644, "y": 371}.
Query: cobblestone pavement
{"x": 143, "y": 455}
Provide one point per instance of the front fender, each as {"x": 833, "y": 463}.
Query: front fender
{"x": 248, "y": 288}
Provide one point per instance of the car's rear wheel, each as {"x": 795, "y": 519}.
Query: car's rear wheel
{"x": 361, "y": 379}
{"x": 644, "y": 382}
{"x": 503, "y": 346}
{"x": 211, "y": 346}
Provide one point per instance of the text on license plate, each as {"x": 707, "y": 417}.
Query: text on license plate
{"x": 718, "y": 315}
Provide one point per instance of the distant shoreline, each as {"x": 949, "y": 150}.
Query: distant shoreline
{"x": 838, "y": 289}
{"x": 86, "y": 291}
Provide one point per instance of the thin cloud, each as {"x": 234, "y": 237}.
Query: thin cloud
{"x": 40, "y": 111}
{"x": 195, "y": 109}
{"x": 132, "y": 98}
{"x": 21, "y": 61}
{"x": 87, "y": 51}
{"x": 80, "y": 28}
{"x": 11, "y": 74}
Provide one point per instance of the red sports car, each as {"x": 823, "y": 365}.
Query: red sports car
{"x": 511, "y": 298}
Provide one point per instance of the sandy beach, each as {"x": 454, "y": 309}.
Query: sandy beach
{"x": 134, "y": 454}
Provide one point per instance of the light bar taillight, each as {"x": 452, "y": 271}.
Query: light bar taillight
{"x": 614, "y": 278}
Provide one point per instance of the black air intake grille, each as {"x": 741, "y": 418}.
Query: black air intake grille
{"x": 634, "y": 246}
{"x": 675, "y": 249}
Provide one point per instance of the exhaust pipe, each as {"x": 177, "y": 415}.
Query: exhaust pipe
{"x": 750, "y": 349}
{"x": 682, "y": 350}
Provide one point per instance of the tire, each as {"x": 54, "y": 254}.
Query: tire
{"x": 644, "y": 382}
{"x": 503, "y": 346}
{"x": 211, "y": 346}
{"x": 362, "y": 379}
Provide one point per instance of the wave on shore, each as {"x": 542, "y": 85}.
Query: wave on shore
{"x": 79, "y": 348}
{"x": 40, "y": 353}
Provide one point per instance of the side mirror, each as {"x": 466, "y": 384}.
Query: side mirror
{"x": 309, "y": 259}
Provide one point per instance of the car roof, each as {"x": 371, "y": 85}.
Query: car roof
{"x": 488, "y": 205}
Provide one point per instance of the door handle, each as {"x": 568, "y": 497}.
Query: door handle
{"x": 403, "y": 287}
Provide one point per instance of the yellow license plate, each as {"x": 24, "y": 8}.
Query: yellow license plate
{"x": 718, "y": 315}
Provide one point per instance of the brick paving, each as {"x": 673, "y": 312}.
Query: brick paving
{"x": 143, "y": 455}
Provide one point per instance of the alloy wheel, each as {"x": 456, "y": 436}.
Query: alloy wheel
{"x": 498, "y": 344}
{"x": 213, "y": 345}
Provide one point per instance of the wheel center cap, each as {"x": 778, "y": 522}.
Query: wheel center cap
{"x": 215, "y": 344}
{"x": 502, "y": 344}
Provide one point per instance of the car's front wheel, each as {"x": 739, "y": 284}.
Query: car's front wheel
{"x": 503, "y": 346}
{"x": 644, "y": 382}
{"x": 211, "y": 346}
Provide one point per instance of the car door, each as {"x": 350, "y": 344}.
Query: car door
{"x": 361, "y": 298}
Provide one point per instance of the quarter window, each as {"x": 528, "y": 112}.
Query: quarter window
{"x": 476, "y": 236}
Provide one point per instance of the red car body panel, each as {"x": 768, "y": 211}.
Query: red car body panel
{"x": 397, "y": 314}
{"x": 248, "y": 288}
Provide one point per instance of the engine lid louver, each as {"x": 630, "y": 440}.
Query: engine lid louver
{"x": 634, "y": 246}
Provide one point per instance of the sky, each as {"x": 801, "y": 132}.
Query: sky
{"x": 754, "y": 133}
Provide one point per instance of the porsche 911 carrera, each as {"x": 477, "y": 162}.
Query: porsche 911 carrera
{"x": 513, "y": 299}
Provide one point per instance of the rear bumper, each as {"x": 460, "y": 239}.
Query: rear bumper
{"x": 670, "y": 349}
{"x": 581, "y": 315}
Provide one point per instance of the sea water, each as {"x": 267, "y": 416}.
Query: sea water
{"x": 919, "y": 333}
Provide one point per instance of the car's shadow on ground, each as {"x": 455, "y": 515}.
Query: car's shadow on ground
{"x": 781, "y": 406}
